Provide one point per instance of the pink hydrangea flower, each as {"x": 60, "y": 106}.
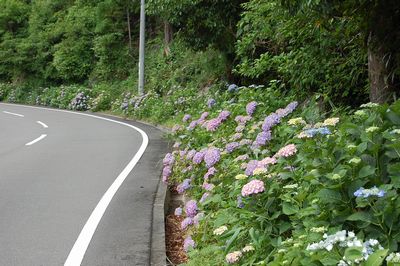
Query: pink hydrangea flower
{"x": 213, "y": 124}
{"x": 268, "y": 160}
{"x": 253, "y": 187}
{"x": 286, "y": 151}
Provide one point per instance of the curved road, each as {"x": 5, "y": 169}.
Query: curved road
{"x": 55, "y": 167}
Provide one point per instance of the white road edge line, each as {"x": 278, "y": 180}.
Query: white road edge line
{"x": 78, "y": 251}
{"x": 13, "y": 114}
{"x": 42, "y": 124}
{"x": 36, "y": 140}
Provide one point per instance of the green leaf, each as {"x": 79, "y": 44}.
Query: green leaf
{"x": 376, "y": 258}
{"x": 353, "y": 253}
{"x": 289, "y": 208}
{"x": 329, "y": 195}
{"x": 360, "y": 216}
{"x": 362, "y": 147}
{"x": 366, "y": 171}
{"x": 232, "y": 239}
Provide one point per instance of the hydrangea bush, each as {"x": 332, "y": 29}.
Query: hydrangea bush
{"x": 279, "y": 183}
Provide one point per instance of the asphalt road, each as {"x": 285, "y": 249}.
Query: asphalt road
{"x": 55, "y": 168}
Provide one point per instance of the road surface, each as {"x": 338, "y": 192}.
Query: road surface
{"x": 55, "y": 168}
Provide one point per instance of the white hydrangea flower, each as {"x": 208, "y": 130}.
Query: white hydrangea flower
{"x": 220, "y": 230}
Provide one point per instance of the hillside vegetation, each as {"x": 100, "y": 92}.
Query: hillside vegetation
{"x": 285, "y": 113}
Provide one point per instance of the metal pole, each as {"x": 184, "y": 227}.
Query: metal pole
{"x": 141, "y": 48}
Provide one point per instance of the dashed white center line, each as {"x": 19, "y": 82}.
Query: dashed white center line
{"x": 36, "y": 140}
{"x": 13, "y": 114}
{"x": 43, "y": 124}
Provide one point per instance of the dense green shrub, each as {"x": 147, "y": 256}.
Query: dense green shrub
{"x": 315, "y": 177}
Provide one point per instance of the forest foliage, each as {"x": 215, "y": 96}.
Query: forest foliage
{"x": 345, "y": 51}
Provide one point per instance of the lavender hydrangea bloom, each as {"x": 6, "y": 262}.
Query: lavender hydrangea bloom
{"x": 186, "y": 118}
{"x": 213, "y": 124}
{"x": 211, "y": 103}
{"x": 236, "y": 136}
{"x": 204, "y": 116}
{"x": 167, "y": 171}
{"x": 244, "y": 142}
{"x": 211, "y": 157}
{"x": 242, "y": 120}
{"x": 263, "y": 137}
{"x": 185, "y": 185}
{"x": 240, "y": 128}
{"x": 292, "y": 106}
{"x": 188, "y": 243}
{"x": 211, "y": 171}
{"x": 168, "y": 159}
{"x": 365, "y": 193}
{"x": 230, "y": 147}
{"x": 251, "y": 107}
{"x": 251, "y": 166}
{"x": 233, "y": 88}
{"x": 198, "y": 157}
{"x": 192, "y": 125}
{"x": 240, "y": 203}
{"x": 224, "y": 115}
{"x": 270, "y": 121}
{"x": 191, "y": 208}
{"x": 204, "y": 197}
{"x": 190, "y": 154}
{"x": 208, "y": 186}
{"x": 182, "y": 153}
{"x": 178, "y": 211}
{"x": 186, "y": 222}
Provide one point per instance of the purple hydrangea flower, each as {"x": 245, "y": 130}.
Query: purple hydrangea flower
{"x": 204, "y": 116}
{"x": 211, "y": 157}
{"x": 211, "y": 103}
{"x": 224, "y": 115}
{"x": 198, "y": 157}
{"x": 211, "y": 171}
{"x": 178, "y": 211}
{"x": 185, "y": 185}
{"x": 190, "y": 154}
{"x": 188, "y": 243}
{"x": 186, "y": 118}
{"x": 245, "y": 142}
{"x": 167, "y": 171}
{"x": 192, "y": 125}
{"x": 242, "y": 120}
{"x": 186, "y": 222}
{"x": 251, "y": 166}
{"x": 233, "y": 88}
{"x": 230, "y": 147}
{"x": 263, "y": 137}
{"x": 239, "y": 203}
{"x": 208, "y": 186}
{"x": 191, "y": 208}
{"x": 239, "y": 128}
{"x": 204, "y": 197}
{"x": 182, "y": 153}
{"x": 213, "y": 124}
{"x": 236, "y": 136}
{"x": 251, "y": 107}
{"x": 270, "y": 121}
{"x": 168, "y": 159}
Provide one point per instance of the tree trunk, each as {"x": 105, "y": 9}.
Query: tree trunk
{"x": 378, "y": 73}
{"x": 128, "y": 20}
{"x": 167, "y": 37}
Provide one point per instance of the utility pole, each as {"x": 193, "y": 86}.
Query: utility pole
{"x": 141, "y": 47}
